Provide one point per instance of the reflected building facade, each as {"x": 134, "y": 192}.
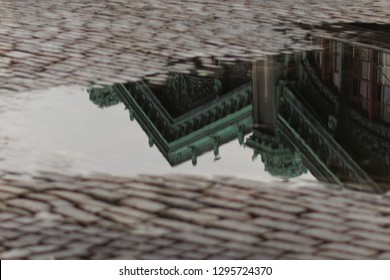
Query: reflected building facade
{"x": 189, "y": 115}
{"x": 325, "y": 111}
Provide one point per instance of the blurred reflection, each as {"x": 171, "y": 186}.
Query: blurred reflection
{"x": 189, "y": 115}
{"x": 325, "y": 111}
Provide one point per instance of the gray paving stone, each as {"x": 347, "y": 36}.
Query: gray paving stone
{"x": 371, "y": 244}
{"x": 260, "y": 256}
{"x": 120, "y": 218}
{"x": 326, "y": 234}
{"x": 190, "y": 216}
{"x": 264, "y": 212}
{"x": 72, "y": 196}
{"x": 92, "y": 208}
{"x": 330, "y": 254}
{"x": 292, "y": 237}
{"x": 238, "y": 226}
{"x": 195, "y": 238}
{"x": 194, "y": 255}
{"x": 6, "y": 195}
{"x": 165, "y": 242}
{"x": 150, "y": 230}
{"x": 39, "y": 249}
{"x": 370, "y": 235}
{"x": 60, "y": 203}
{"x": 175, "y": 225}
{"x": 43, "y": 197}
{"x": 254, "y": 249}
{"x": 4, "y": 216}
{"x": 277, "y": 224}
{"x": 183, "y": 185}
{"x": 287, "y": 246}
{"x": 180, "y": 202}
{"x": 28, "y": 205}
{"x": 339, "y": 227}
{"x": 236, "y": 254}
{"x": 225, "y": 194}
{"x": 14, "y": 254}
{"x": 372, "y": 219}
{"x": 24, "y": 240}
{"x": 12, "y": 189}
{"x": 172, "y": 252}
{"x": 193, "y": 181}
{"x": 103, "y": 194}
{"x": 155, "y": 256}
{"x": 299, "y": 256}
{"x": 279, "y": 206}
{"x": 230, "y": 235}
{"x": 210, "y": 250}
{"x": 131, "y": 192}
{"x": 329, "y": 218}
{"x": 72, "y": 253}
{"x": 350, "y": 248}
{"x": 10, "y": 224}
{"x": 227, "y": 213}
{"x": 18, "y": 54}
{"x": 221, "y": 203}
{"x": 384, "y": 256}
{"x": 76, "y": 214}
{"x": 144, "y": 204}
{"x": 316, "y": 204}
{"x": 102, "y": 256}
{"x": 138, "y": 214}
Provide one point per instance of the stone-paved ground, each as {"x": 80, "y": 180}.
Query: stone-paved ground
{"x": 88, "y": 42}
{"x": 54, "y": 216}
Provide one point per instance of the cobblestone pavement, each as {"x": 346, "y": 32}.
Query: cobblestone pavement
{"x": 87, "y": 42}
{"x": 54, "y": 216}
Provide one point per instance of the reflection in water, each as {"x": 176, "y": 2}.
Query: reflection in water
{"x": 326, "y": 111}
{"x": 189, "y": 115}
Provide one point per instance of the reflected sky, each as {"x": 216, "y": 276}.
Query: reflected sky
{"x": 61, "y": 130}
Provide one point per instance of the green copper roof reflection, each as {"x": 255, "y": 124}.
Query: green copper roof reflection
{"x": 103, "y": 97}
{"x": 200, "y": 129}
{"x": 279, "y": 160}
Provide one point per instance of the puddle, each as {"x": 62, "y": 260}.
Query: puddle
{"x": 62, "y": 130}
{"x": 311, "y": 115}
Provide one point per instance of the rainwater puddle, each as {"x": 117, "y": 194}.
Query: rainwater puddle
{"x": 321, "y": 114}
{"x": 61, "y": 130}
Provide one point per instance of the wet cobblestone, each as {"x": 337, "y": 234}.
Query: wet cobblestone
{"x": 64, "y": 221}
{"x": 84, "y": 42}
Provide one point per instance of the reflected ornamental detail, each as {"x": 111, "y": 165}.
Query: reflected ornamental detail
{"x": 185, "y": 92}
{"x": 322, "y": 111}
{"x": 279, "y": 160}
{"x": 103, "y": 97}
{"x": 209, "y": 118}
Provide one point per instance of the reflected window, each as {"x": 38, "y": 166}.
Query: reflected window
{"x": 318, "y": 53}
{"x": 384, "y": 86}
{"x": 337, "y": 48}
{"x": 362, "y": 78}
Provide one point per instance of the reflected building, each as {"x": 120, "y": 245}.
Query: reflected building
{"x": 190, "y": 115}
{"x": 325, "y": 111}
{"x": 353, "y": 80}
{"x": 334, "y": 108}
